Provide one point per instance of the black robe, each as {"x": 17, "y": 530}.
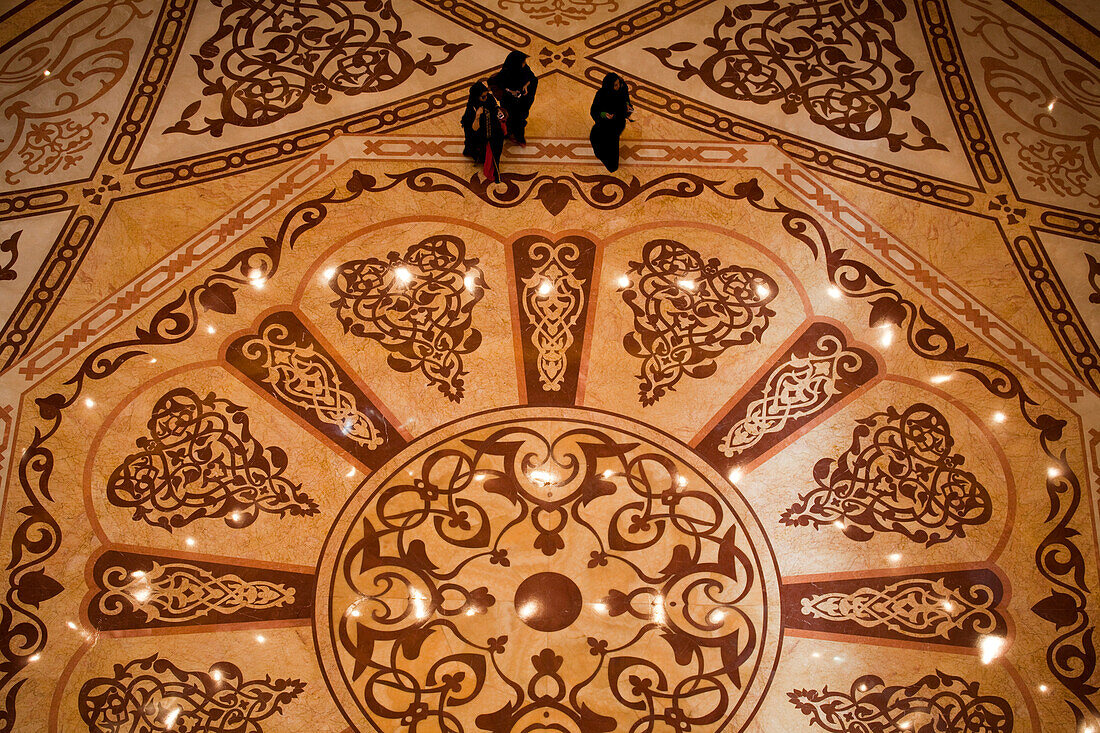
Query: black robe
{"x": 474, "y": 139}
{"x": 610, "y": 108}
{"x": 515, "y": 85}
{"x": 489, "y": 132}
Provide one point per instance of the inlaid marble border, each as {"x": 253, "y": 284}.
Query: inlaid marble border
{"x": 811, "y": 190}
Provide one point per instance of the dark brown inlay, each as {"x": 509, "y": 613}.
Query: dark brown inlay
{"x": 858, "y": 47}
{"x": 285, "y": 360}
{"x": 954, "y": 607}
{"x": 444, "y": 555}
{"x": 819, "y": 371}
{"x": 200, "y": 460}
{"x": 899, "y": 475}
{"x": 548, "y": 601}
{"x": 419, "y": 306}
{"x": 361, "y": 54}
{"x": 553, "y": 291}
{"x": 138, "y": 591}
{"x": 154, "y": 694}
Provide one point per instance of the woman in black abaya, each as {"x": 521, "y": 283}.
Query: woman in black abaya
{"x": 515, "y": 86}
{"x": 610, "y": 110}
{"x": 483, "y": 125}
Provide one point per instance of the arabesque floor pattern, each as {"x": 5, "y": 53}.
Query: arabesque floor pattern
{"x": 790, "y": 424}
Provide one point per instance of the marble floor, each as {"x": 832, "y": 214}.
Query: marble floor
{"x": 791, "y": 423}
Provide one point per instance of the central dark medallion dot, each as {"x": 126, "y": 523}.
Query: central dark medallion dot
{"x": 548, "y": 601}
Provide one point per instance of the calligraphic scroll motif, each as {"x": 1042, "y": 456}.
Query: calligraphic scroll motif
{"x": 898, "y": 475}
{"x": 936, "y": 702}
{"x": 268, "y": 58}
{"x": 837, "y": 62}
{"x": 152, "y": 695}
{"x": 816, "y": 373}
{"x": 688, "y": 311}
{"x": 201, "y": 460}
{"x": 56, "y": 79}
{"x": 287, "y": 361}
{"x": 179, "y": 592}
{"x": 419, "y": 307}
{"x": 560, "y": 12}
{"x": 1055, "y": 147}
{"x": 552, "y": 282}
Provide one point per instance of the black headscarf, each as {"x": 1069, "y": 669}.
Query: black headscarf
{"x": 610, "y": 99}
{"x": 513, "y": 74}
{"x": 474, "y": 101}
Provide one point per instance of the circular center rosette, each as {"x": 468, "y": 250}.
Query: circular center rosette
{"x": 518, "y": 570}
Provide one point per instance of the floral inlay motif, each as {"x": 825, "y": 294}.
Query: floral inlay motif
{"x": 201, "y": 460}
{"x": 1050, "y": 97}
{"x": 913, "y": 607}
{"x": 180, "y": 592}
{"x": 560, "y": 12}
{"x": 106, "y": 185}
{"x": 419, "y": 307}
{"x": 286, "y": 359}
{"x": 152, "y": 695}
{"x": 52, "y": 145}
{"x": 898, "y": 475}
{"x": 553, "y": 300}
{"x": 655, "y": 593}
{"x": 687, "y": 311}
{"x": 935, "y": 702}
{"x": 836, "y": 61}
{"x": 269, "y": 57}
{"x": 794, "y": 391}
{"x": 53, "y": 79}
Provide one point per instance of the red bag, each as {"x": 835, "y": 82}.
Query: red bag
{"x": 489, "y": 169}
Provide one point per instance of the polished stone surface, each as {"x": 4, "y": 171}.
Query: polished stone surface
{"x": 789, "y": 424}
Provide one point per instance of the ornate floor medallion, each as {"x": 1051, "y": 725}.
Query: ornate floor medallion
{"x": 790, "y": 423}
{"x": 567, "y": 571}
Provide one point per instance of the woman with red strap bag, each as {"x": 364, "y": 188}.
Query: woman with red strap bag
{"x": 485, "y": 127}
